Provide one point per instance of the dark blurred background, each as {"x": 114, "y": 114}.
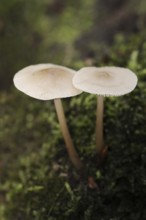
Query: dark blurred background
{"x": 62, "y": 32}
{"x": 37, "y": 180}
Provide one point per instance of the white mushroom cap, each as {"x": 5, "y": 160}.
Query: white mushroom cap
{"x": 106, "y": 81}
{"x": 46, "y": 81}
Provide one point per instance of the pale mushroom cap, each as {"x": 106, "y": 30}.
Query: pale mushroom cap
{"x": 46, "y": 81}
{"x": 106, "y": 81}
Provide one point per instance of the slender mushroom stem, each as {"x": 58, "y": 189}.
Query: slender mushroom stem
{"x": 66, "y": 134}
{"x": 99, "y": 124}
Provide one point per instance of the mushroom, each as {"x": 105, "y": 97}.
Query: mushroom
{"x": 104, "y": 81}
{"x": 47, "y": 82}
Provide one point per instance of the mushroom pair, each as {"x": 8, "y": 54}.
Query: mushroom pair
{"x": 47, "y": 82}
{"x": 104, "y": 81}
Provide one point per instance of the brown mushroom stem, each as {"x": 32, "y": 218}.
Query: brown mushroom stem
{"x": 66, "y": 134}
{"x": 99, "y": 124}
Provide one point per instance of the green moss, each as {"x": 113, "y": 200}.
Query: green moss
{"x": 37, "y": 180}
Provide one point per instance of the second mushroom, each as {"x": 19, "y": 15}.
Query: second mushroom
{"x": 104, "y": 81}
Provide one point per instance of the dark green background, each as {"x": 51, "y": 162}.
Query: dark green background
{"x": 37, "y": 180}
